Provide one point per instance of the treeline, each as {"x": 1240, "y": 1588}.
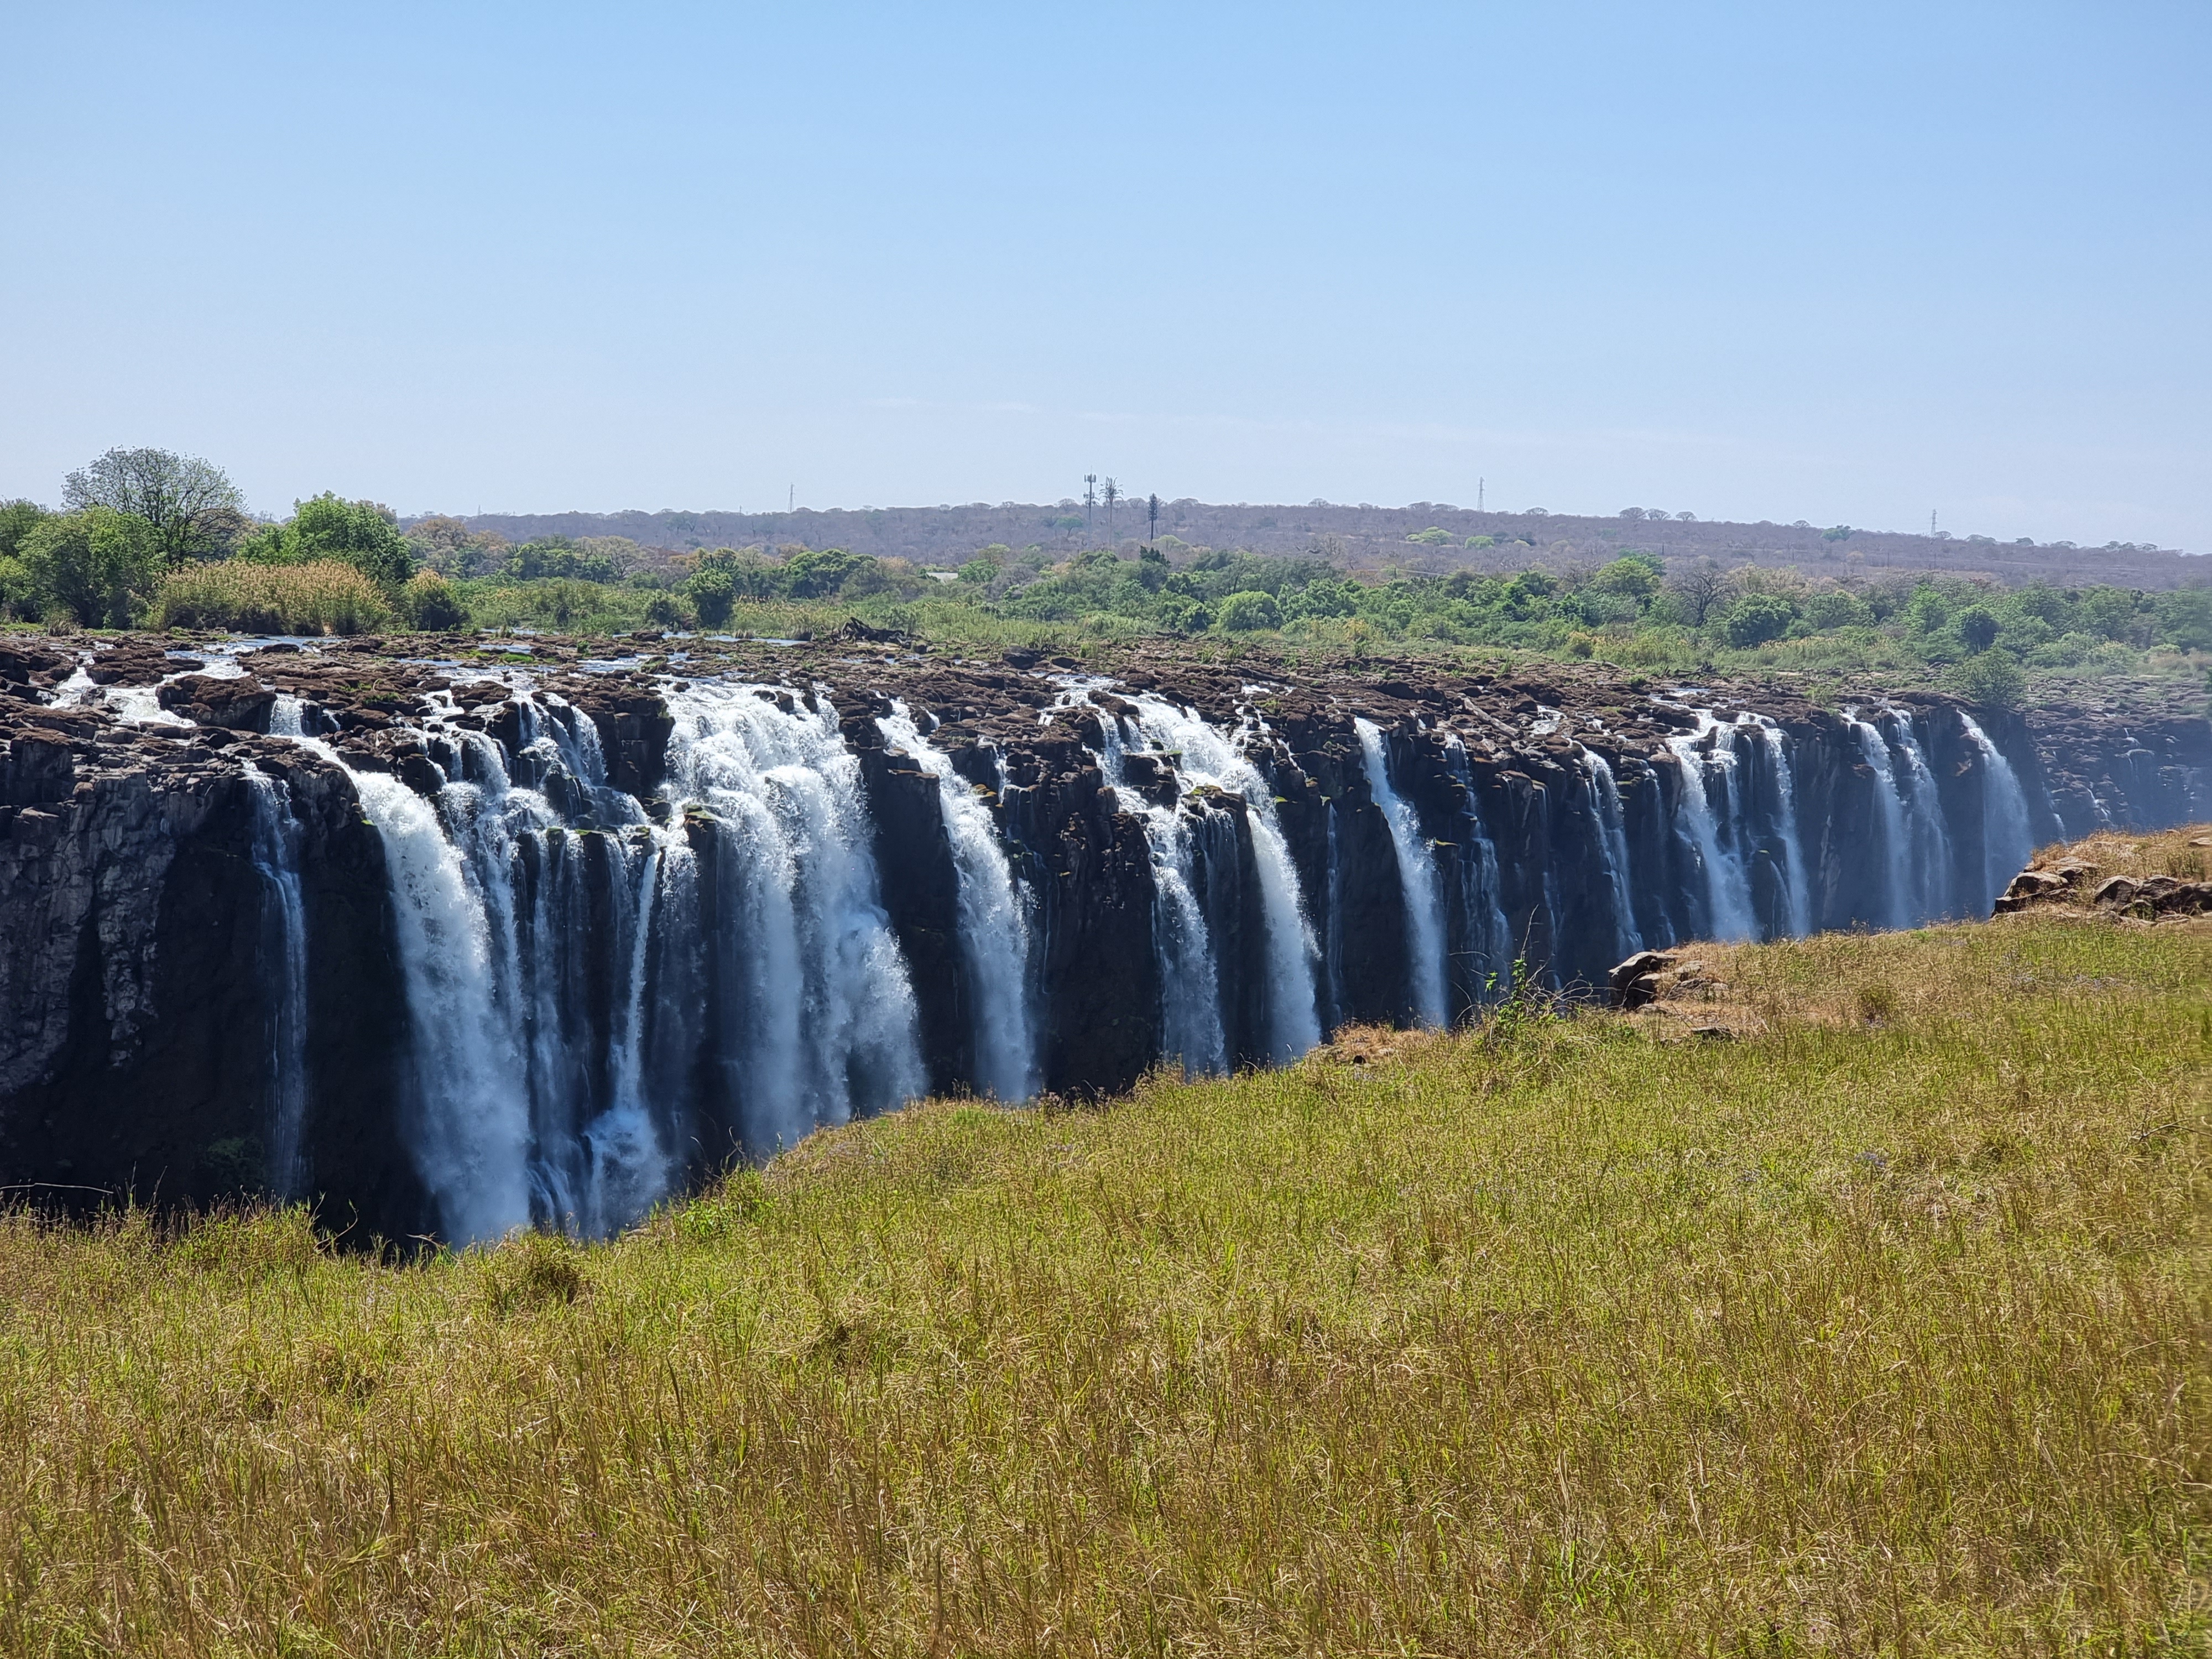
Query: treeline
{"x": 148, "y": 538}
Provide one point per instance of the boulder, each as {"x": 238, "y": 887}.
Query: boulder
{"x": 1636, "y": 982}
{"x": 239, "y": 703}
{"x": 2115, "y": 891}
{"x": 2027, "y": 888}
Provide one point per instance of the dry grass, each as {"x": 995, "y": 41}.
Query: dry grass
{"x": 324, "y": 596}
{"x": 1850, "y": 1335}
{"x": 2184, "y": 854}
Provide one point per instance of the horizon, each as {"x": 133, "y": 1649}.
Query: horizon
{"x": 1850, "y": 268}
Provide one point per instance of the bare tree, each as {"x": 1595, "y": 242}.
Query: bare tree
{"x": 190, "y": 502}
{"x": 1700, "y": 588}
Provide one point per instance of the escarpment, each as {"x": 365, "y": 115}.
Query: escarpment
{"x": 453, "y": 942}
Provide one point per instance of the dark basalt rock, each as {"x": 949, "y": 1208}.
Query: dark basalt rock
{"x": 134, "y": 1021}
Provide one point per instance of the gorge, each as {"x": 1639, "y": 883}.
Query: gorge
{"x": 501, "y": 934}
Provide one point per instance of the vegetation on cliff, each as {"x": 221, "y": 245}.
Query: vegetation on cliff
{"x": 146, "y": 528}
{"x": 1854, "y": 1303}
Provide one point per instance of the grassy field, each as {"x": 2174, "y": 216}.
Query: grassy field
{"x": 1878, "y": 1328}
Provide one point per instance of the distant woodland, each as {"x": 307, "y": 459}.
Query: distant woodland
{"x": 150, "y": 539}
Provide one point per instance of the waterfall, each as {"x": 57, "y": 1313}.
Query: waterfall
{"x": 1190, "y": 992}
{"x": 2008, "y": 835}
{"x": 1728, "y": 887}
{"x": 472, "y": 1124}
{"x": 284, "y": 969}
{"x": 1207, "y": 758}
{"x": 994, "y": 923}
{"x": 1797, "y": 883}
{"x": 815, "y": 982}
{"x": 1482, "y": 887}
{"x": 1931, "y": 845}
{"x": 1612, "y": 847}
{"x": 1889, "y": 805}
{"x": 1416, "y": 879}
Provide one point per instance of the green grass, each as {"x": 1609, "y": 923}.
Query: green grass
{"x": 1564, "y": 1337}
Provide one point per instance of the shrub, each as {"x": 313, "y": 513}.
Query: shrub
{"x": 1978, "y": 628}
{"x": 324, "y": 596}
{"x": 1836, "y": 609}
{"x": 713, "y": 593}
{"x": 1993, "y": 680}
{"x": 1756, "y": 618}
{"x": 429, "y": 603}
{"x": 1242, "y": 613}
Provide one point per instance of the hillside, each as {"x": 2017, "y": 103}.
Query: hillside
{"x": 1367, "y": 539}
{"x": 1878, "y": 1325}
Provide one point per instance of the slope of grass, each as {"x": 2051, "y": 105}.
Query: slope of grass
{"x": 1852, "y": 1335}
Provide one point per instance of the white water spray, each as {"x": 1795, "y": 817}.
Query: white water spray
{"x": 1210, "y": 758}
{"x": 2007, "y": 833}
{"x": 994, "y": 923}
{"x": 1728, "y": 887}
{"x": 1612, "y": 847}
{"x": 1416, "y": 879}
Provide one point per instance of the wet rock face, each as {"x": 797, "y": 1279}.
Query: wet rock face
{"x": 1574, "y": 828}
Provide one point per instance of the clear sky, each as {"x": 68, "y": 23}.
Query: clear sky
{"x": 1839, "y": 262}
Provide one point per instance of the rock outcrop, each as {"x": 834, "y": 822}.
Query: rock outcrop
{"x": 1569, "y": 828}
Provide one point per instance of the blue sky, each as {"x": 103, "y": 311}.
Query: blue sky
{"x": 1845, "y": 263}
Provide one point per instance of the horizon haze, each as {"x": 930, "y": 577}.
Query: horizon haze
{"x": 1847, "y": 266}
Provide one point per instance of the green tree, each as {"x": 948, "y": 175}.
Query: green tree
{"x": 2186, "y": 618}
{"x": 429, "y": 603}
{"x": 190, "y": 505}
{"x": 714, "y": 594}
{"x": 17, "y": 519}
{"x": 1633, "y": 576}
{"x": 1834, "y": 608}
{"x": 1978, "y": 628}
{"x": 1756, "y": 618}
{"x": 1993, "y": 680}
{"x": 98, "y": 564}
{"x": 1243, "y": 613}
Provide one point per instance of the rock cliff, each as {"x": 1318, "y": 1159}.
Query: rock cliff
{"x": 457, "y": 941}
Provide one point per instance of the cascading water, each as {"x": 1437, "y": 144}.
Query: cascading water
{"x": 1613, "y": 844}
{"x": 813, "y": 981}
{"x": 1208, "y": 758}
{"x": 995, "y": 921}
{"x": 1924, "y": 808}
{"x": 1417, "y": 878}
{"x": 1727, "y": 884}
{"x": 1898, "y": 884}
{"x": 2008, "y": 834}
{"x": 1191, "y": 1032}
{"x": 1489, "y": 935}
{"x": 284, "y": 970}
{"x": 1797, "y": 880}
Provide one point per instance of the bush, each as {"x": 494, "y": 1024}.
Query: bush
{"x": 322, "y": 597}
{"x": 1243, "y": 613}
{"x": 1978, "y": 628}
{"x": 1992, "y": 680}
{"x": 1837, "y": 609}
{"x": 713, "y": 593}
{"x": 429, "y": 603}
{"x": 1756, "y": 618}
{"x": 325, "y": 529}
{"x": 98, "y": 565}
